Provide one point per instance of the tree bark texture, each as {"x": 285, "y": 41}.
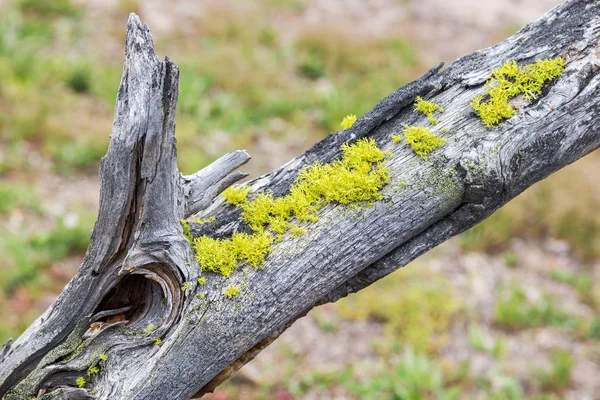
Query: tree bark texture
{"x": 139, "y": 259}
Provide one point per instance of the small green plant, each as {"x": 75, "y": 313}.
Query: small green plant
{"x": 25, "y": 257}
{"x": 80, "y": 382}
{"x": 267, "y": 37}
{"x": 514, "y": 311}
{"x": 559, "y": 374}
{"x": 396, "y": 138}
{"x": 14, "y": 195}
{"x": 581, "y": 282}
{"x": 103, "y": 357}
{"x": 73, "y": 156}
{"x": 93, "y": 371}
{"x": 492, "y": 234}
{"x": 231, "y": 292}
{"x": 477, "y": 338}
{"x": 581, "y": 231}
{"x": 157, "y": 341}
{"x": 422, "y": 140}
{"x": 427, "y": 108}
{"x": 311, "y": 67}
{"x": 483, "y": 342}
{"x": 80, "y": 79}
{"x": 186, "y": 230}
{"x": 504, "y": 387}
{"x": 424, "y": 311}
{"x": 405, "y": 50}
{"x": 148, "y": 329}
{"x": 510, "y": 259}
{"x": 185, "y": 286}
{"x": 413, "y": 377}
{"x": 499, "y": 348}
{"x": 594, "y": 332}
{"x": 510, "y": 80}
{"x": 348, "y": 121}
{"x": 49, "y": 8}
{"x": 327, "y": 322}
{"x": 202, "y": 280}
{"x": 236, "y": 194}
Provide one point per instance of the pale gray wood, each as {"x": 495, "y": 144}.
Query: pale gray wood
{"x": 138, "y": 246}
{"x": 202, "y": 187}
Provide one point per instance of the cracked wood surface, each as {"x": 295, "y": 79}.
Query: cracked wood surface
{"x": 138, "y": 259}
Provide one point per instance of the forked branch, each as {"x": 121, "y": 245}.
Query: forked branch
{"x": 136, "y": 318}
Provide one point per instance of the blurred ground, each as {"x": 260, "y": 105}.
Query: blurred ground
{"x": 508, "y": 310}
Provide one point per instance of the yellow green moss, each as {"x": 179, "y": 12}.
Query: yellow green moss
{"x": 357, "y": 177}
{"x": 202, "y": 280}
{"x": 422, "y": 140}
{"x": 93, "y": 371}
{"x": 103, "y": 357}
{"x": 157, "y": 341}
{"x": 510, "y": 80}
{"x": 427, "y": 108}
{"x": 148, "y": 329}
{"x": 298, "y": 231}
{"x": 222, "y": 255}
{"x": 231, "y": 292}
{"x": 185, "y": 286}
{"x": 186, "y": 230}
{"x": 80, "y": 382}
{"x": 236, "y": 194}
{"x": 206, "y": 220}
{"x": 348, "y": 121}
{"x": 396, "y": 138}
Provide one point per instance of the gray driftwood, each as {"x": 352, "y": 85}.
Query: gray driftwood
{"x": 138, "y": 258}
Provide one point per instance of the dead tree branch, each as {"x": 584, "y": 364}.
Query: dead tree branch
{"x": 128, "y": 292}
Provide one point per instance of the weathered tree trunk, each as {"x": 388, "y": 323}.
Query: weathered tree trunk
{"x": 138, "y": 258}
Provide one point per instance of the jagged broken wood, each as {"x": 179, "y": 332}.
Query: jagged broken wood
{"x": 138, "y": 258}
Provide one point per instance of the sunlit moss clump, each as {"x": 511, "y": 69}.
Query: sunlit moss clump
{"x": 231, "y": 292}
{"x": 510, "y": 80}
{"x": 427, "y": 108}
{"x": 396, "y": 138}
{"x": 222, "y": 255}
{"x": 348, "y": 121}
{"x": 236, "y": 194}
{"x": 422, "y": 140}
{"x": 358, "y": 176}
{"x": 80, "y": 382}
